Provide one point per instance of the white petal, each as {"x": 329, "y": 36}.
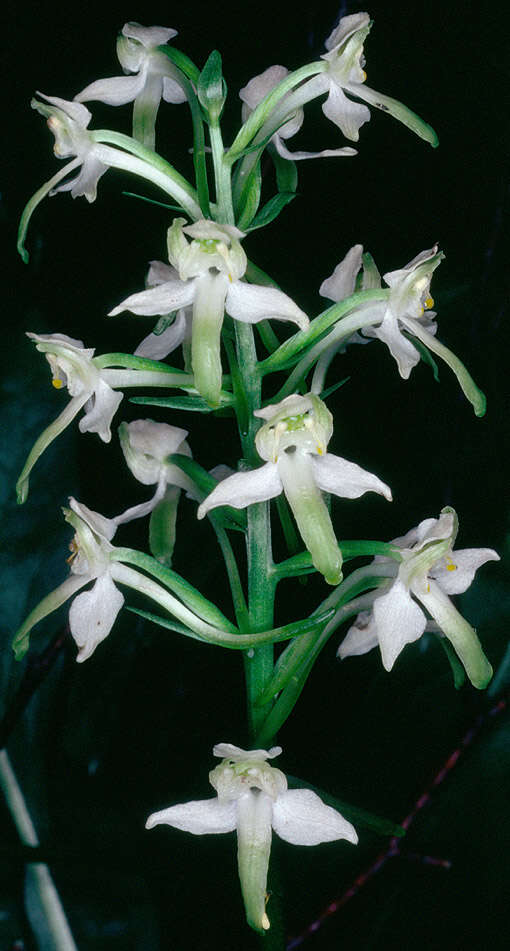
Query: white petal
{"x": 244, "y": 488}
{"x": 302, "y": 818}
{"x": 104, "y": 527}
{"x": 261, "y": 85}
{"x": 282, "y": 150}
{"x": 346, "y": 27}
{"x": 148, "y": 36}
{"x": 400, "y": 348}
{"x": 252, "y": 302}
{"x": 347, "y": 115}
{"x": 160, "y": 273}
{"x": 116, "y": 91}
{"x": 229, "y": 751}
{"x": 360, "y": 638}
{"x": 172, "y": 92}
{"x": 342, "y": 281}
{"x": 346, "y": 479}
{"x": 92, "y": 615}
{"x": 399, "y": 621}
{"x": 86, "y": 182}
{"x": 158, "y": 346}
{"x": 162, "y": 299}
{"x": 455, "y": 574}
{"x": 200, "y": 816}
{"x": 78, "y": 113}
{"x": 100, "y": 410}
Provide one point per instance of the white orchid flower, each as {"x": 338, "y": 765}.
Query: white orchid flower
{"x": 91, "y": 387}
{"x": 345, "y": 78}
{"x": 293, "y": 440}
{"x": 92, "y": 614}
{"x": 256, "y": 90}
{"x": 155, "y": 78}
{"x": 146, "y": 446}
{"x": 68, "y": 121}
{"x": 406, "y": 313}
{"x": 430, "y": 571}
{"x": 253, "y": 798}
{"x": 210, "y": 268}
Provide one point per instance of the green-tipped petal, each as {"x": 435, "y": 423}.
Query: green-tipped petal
{"x": 467, "y": 384}
{"x": 208, "y": 313}
{"x": 398, "y": 111}
{"x": 254, "y": 813}
{"x": 312, "y": 517}
{"x": 35, "y": 200}
{"x": 461, "y": 635}
{"x": 48, "y": 604}
{"x": 44, "y": 440}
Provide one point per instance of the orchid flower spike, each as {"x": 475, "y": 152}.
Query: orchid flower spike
{"x": 210, "y": 270}
{"x": 155, "y": 78}
{"x": 253, "y": 799}
{"x": 146, "y": 446}
{"x": 406, "y": 314}
{"x": 293, "y": 442}
{"x": 256, "y": 90}
{"x": 91, "y": 387}
{"x": 345, "y": 78}
{"x": 430, "y": 571}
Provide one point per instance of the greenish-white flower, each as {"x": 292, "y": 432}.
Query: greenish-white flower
{"x": 430, "y": 571}
{"x": 345, "y": 82}
{"x": 147, "y": 446}
{"x": 293, "y": 442}
{"x": 404, "y": 320}
{"x": 68, "y": 121}
{"x": 92, "y": 613}
{"x": 253, "y": 798}
{"x": 210, "y": 269}
{"x": 92, "y": 387}
{"x": 256, "y": 90}
{"x": 155, "y": 78}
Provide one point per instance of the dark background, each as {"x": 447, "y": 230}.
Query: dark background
{"x": 104, "y": 744}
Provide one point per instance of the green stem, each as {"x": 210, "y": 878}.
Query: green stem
{"x": 222, "y": 175}
{"x": 261, "y": 585}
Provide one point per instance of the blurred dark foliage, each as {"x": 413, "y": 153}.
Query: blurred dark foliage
{"x": 104, "y": 744}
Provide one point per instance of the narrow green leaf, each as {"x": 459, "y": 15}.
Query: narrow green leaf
{"x": 194, "y": 404}
{"x": 152, "y": 201}
{"x": 271, "y": 210}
